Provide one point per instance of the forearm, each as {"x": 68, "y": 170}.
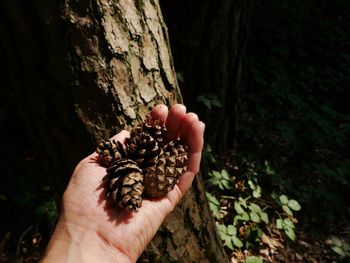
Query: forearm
{"x": 73, "y": 243}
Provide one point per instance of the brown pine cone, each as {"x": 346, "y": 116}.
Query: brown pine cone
{"x": 156, "y": 129}
{"x": 124, "y": 183}
{"x": 143, "y": 148}
{"x": 147, "y": 164}
{"x": 109, "y": 151}
{"x": 161, "y": 178}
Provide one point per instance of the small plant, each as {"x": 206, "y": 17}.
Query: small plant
{"x": 208, "y": 154}
{"x": 209, "y": 100}
{"x": 287, "y": 226}
{"x": 285, "y": 222}
{"x": 229, "y": 235}
{"x": 340, "y": 247}
{"x": 214, "y": 205}
{"x": 249, "y": 211}
{"x": 253, "y": 184}
{"x": 244, "y": 203}
{"x": 221, "y": 179}
{"x": 252, "y": 176}
{"x": 289, "y": 204}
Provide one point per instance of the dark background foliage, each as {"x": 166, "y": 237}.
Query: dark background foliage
{"x": 295, "y": 103}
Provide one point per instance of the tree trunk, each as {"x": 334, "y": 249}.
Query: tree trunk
{"x": 83, "y": 70}
{"x": 208, "y": 39}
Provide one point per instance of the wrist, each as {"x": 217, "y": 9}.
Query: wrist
{"x": 74, "y": 243}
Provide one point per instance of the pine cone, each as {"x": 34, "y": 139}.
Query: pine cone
{"x": 109, "y": 151}
{"x": 143, "y": 148}
{"x": 124, "y": 182}
{"x": 162, "y": 177}
{"x": 156, "y": 129}
{"x": 147, "y": 164}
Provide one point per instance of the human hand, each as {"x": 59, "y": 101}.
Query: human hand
{"x": 93, "y": 228}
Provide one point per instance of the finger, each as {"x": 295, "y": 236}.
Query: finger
{"x": 185, "y": 182}
{"x": 160, "y": 112}
{"x": 195, "y": 142}
{"x": 186, "y": 125}
{"x": 175, "y": 116}
{"x": 121, "y": 136}
{"x": 178, "y": 192}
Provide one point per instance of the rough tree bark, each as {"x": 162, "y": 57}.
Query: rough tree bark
{"x": 208, "y": 40}
{"x": 82, "y": 70}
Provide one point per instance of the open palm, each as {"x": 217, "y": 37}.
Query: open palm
{"x": 119, "y": 233}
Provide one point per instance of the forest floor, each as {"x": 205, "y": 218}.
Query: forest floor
{"x": 313, "y": 242}
{"x": 26, "y": 231}
{"x": 23, "y": 241}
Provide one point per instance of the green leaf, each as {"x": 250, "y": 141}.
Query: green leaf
{"x": 180, "y": 76}
{"x": 346, "y": 247}
{"x": 279, "y": 223}
{"x": 257, "y": 192}
{"x": 215, "y": 210}
{"x": 259, "y": 232}
{"x": 339, "y": 251}
{"x": 290, "y": 233}
{"x": 207, "y": 148}
{"x": 245, "y": 216}
{"x": 268, "y": 168}
{"x": 242, "y": 202}
{"x": 214, "y": 205}
{"x": 255, "y": 208}
{"x": 293, "y": 204}
{"x": 222, "y": 228}
{"x": 217, "y": 174}
{"x": 274, "y": 196}
{"x": 216, "y": 103}
{"x": 253, "y": 259}
{"x": 208, "y": 153}
{"x": 227, "y": 184}
{"x": 228, "y": 242}
{"x": 214, "y": 181}
{"x": 237, "y": 218}
{"x": 254, "y": 217}
{"x": 287, "y": 210}
{"x": 264, "y": 217}
{"x": 242, "y": 217}
{"x": 207, "y": 103}
{"x": 212, "y": 158}
{"x": 283, "y": 199}
{"x": 337, "y": 242}
{"x": 251, "y": 185}
{"x": 237, "y": 242}
{"x": 212, "y": 199}
{"x": 238, "y": 208}
{"x": 288, "y": 223}
{"x": 225, "y": 174}
{"x": 209, "y": 100}
{"x": 231, "y": 230}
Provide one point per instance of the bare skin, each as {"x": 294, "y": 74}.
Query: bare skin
{"x": 93, "y": 229}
